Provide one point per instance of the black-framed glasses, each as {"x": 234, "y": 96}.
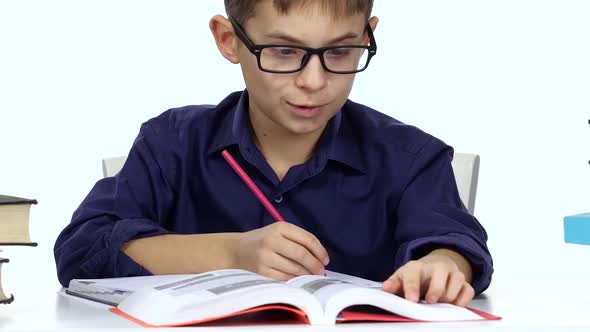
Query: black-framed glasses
{"x": 285, "y": 59}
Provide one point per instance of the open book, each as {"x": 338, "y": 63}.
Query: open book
{"x": 179, "y": 300}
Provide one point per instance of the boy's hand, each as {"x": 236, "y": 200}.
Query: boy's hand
{"x": 281, "y": 251}
{"x": 436, "y": 277}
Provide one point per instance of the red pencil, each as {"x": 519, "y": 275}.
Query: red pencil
{"x": 269, "y": 207}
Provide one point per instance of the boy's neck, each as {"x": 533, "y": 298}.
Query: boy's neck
{"x": 281, "y": 149}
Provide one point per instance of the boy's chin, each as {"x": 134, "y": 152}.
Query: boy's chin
{"x": 303, "y": 130}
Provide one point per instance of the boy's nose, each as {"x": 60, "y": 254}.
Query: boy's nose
{"x": 312, "y": 76}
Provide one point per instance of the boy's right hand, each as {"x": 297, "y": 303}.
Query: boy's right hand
{"x": 281, "y": 251}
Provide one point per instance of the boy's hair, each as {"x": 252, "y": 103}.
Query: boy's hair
{"x": 242, "y": 10}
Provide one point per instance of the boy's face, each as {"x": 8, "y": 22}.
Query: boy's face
{"x": 303, "y": 102}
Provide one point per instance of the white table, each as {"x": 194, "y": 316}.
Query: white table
{"x": 552, "y": 305}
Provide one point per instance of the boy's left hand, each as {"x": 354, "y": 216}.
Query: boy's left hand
{"x": 437, "y": 277}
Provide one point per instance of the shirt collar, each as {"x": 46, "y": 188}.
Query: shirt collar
{"x": 234, "y": 128}
{"x": 341, "y": 143}
{"x": 338, "y": 142}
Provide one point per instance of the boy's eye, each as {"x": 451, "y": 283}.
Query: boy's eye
{"x": 339, "y": 52}
{"x": 284, "y": 51}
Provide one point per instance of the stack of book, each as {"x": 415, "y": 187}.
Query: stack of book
{"x": 14, "y": 230}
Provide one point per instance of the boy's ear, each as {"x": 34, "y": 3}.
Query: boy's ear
{"x": 373, "y": 24}
{"x": 225, "y": 38}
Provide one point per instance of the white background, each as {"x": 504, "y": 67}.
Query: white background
{"x": 507, "y": 79}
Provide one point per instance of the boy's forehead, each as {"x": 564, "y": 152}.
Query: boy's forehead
{"x": 304, "y": 20}
{"x": 330, "y": 9}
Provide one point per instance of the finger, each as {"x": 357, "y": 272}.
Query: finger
{"x": 297, "y": 253}
{"x": 286, "y": 265}
{"x": 308, "y": 241}
{"x": 276, "y": 274}
{"x": 438, "y": 283}
{"x": 454, "y": 285}
{"x": 411, "y": 279}
{"x": 465, "y": 295}
{"x": 393, "y": 284}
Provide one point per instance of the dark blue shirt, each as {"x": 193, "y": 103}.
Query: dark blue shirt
{"x": 376, "y": 193}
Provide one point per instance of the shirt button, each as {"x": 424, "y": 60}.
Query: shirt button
{"x": 279, "y": 199}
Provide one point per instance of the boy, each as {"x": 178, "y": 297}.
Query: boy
{"x": 362, "y": 193}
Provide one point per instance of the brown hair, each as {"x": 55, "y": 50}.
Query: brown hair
{"x": 242, "y": 10}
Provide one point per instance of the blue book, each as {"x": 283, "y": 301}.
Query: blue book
{"x": 576, "y": 228}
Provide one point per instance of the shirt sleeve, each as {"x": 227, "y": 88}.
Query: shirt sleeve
{"x": 131, "y": 205}
{"x": 431, "y": 215}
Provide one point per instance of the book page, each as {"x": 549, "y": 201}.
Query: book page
{"x": 212, "y": 294}
{"x": 321, "y": 287}
{"x": 354, "y": 280}
{"x": 112, "y": 291}
{"x": 395, "y": 304}
{"x": 204, "y": 286}
{"x": 339, "y": 291}
{"x": 324, "y": 287}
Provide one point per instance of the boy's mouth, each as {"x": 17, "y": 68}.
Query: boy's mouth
{"x": 305, "y": 111}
